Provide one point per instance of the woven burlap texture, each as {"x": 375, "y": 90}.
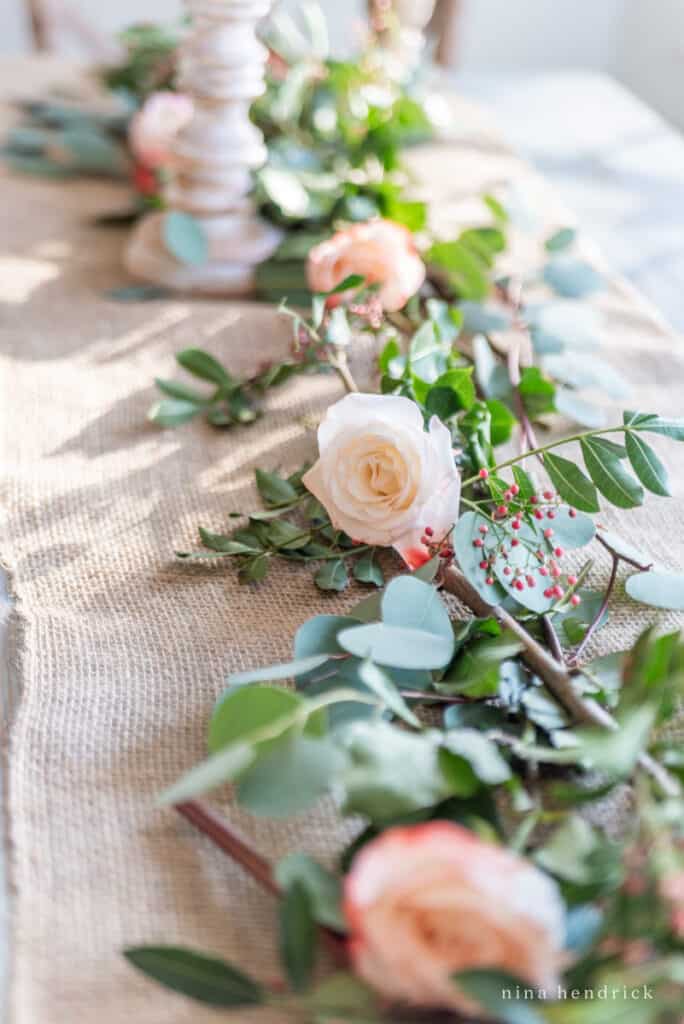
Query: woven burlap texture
{"x": 119, "y": 652}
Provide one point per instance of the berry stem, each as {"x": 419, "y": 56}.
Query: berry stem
{"x": 557, "y": 678}
{"x": 622, "y": 429}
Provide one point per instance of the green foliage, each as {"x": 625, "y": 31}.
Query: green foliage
{"x": 203, "y": 978}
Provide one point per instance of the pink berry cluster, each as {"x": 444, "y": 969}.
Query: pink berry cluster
{"x": 437, "y": 547}
{"x": 543, "y": 565}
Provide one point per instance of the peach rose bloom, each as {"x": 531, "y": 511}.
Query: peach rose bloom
{"x": 425, "y": 901}
{"x": 672, "y": 890}
{"x": 382, "y": 478}
{"x": 154, "y": 127}
{"x": 380, "y": 251}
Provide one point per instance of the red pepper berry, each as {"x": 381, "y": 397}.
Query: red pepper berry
{"x": 572, "y": 512}
{"x": 548, "y": 495}
{"x": 548, "y": 533}
{"x": 429, "y": 531}
{"x": 575, "y": 600}
{"x": 519, "y": 585}
{"x": 507, "y": 570}
{"x": 477, "y": 543}
{"x": 548, "y": 592}
{"x": 516, "y": 524}
{"x": 538, "y": 514}
{"x": 489, "y": 581}
{"x": 572, "y": 580}
{"x": 484, "y": 528}
{"x": 515, "y": 490}
{"x": 515, "y": 542}
{"x": 502, "y": 510}
{"x": 558, "y": 552}
{"x": 531, "y": 582}
{"x": 484, "y": 564}
{"x": 483, "y": 474}
{"x": 533, "y": 499}
{"x": 543, "y": 571}
{"x": 551, "y": 513}
{"x": 558, "y": 591}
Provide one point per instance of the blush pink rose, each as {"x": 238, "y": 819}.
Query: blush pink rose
{"x": 426, "y": 901}
{"x": 672, "y": 890}
{"x": 383, "y": 478}
{"x": 154, "y": 127}
{"x": 381, "y": 251}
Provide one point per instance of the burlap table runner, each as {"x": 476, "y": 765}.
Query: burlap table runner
{"x": 118, "y": 651}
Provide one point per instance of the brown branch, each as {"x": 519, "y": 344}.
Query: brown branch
{"x": 227, "y": 839}
{"x": 552, "y": 638}
{"x": 556, "y": 677}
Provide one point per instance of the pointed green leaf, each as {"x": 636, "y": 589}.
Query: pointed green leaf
{"x": 274, "y": 490}
{"x": 647, "y": 465}
{"x": 651, "y": 423}
{"x": 171, "y": 412}
{"x": 366, "y": 571}
{"x": 203, "y": 365}
{"x": 297, "y": 930}
{"x": 571, "y": 483}
{"x": 332, "y": 575}
{"x": 201, "y": 977}
{"x": 383, "y": 687}
{"x": 610, "y": 476}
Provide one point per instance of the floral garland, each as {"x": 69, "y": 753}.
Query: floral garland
{"x": 477, "y": 884}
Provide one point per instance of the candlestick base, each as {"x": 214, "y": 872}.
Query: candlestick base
{"x": 238, "y": 241}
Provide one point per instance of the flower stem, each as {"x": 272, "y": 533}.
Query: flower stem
{"x": 340, "y": 364}
{"x": 548, "y": 447}
{"x": 555, "y": 675}
{"x": 227, "y": 839}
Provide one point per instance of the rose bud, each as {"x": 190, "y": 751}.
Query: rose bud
{"x": 425, "y": 902}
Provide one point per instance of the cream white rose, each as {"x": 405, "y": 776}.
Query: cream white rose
{"x": 427, "y": 901}
{"x": 382, "y": 478}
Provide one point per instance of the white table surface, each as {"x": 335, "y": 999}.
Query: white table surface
{"x": 615, "y": 162}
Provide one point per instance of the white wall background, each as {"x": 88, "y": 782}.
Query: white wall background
{"x": 639, "y": 41}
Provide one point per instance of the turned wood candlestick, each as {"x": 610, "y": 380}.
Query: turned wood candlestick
{"x": 222, "y": 70}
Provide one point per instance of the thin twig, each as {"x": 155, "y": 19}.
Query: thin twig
{"x": 227, "y": 839}
{"x": 340, "y": 364}
{"x": 436, "y": 698}
{"x": 596, "y": 622}
{"x": 558, "y": 680}
{"x": 623, "y": 558}
{"x": 552, "y": 638}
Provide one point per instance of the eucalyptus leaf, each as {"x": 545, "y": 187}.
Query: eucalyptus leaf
{"x": 411, "y": 603}
{"x": 379, "y": 683}
{"x": 185, "y": 238}
{"x": 224, "y": 766}
{"x": 398, "y": 646}
{"x": 291, "y": 777}
{"x": 324, "y": 888}
{"x": 572, "y": 278}
{"x": 658, "y": 589}
{"x": 367, "y": 571}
